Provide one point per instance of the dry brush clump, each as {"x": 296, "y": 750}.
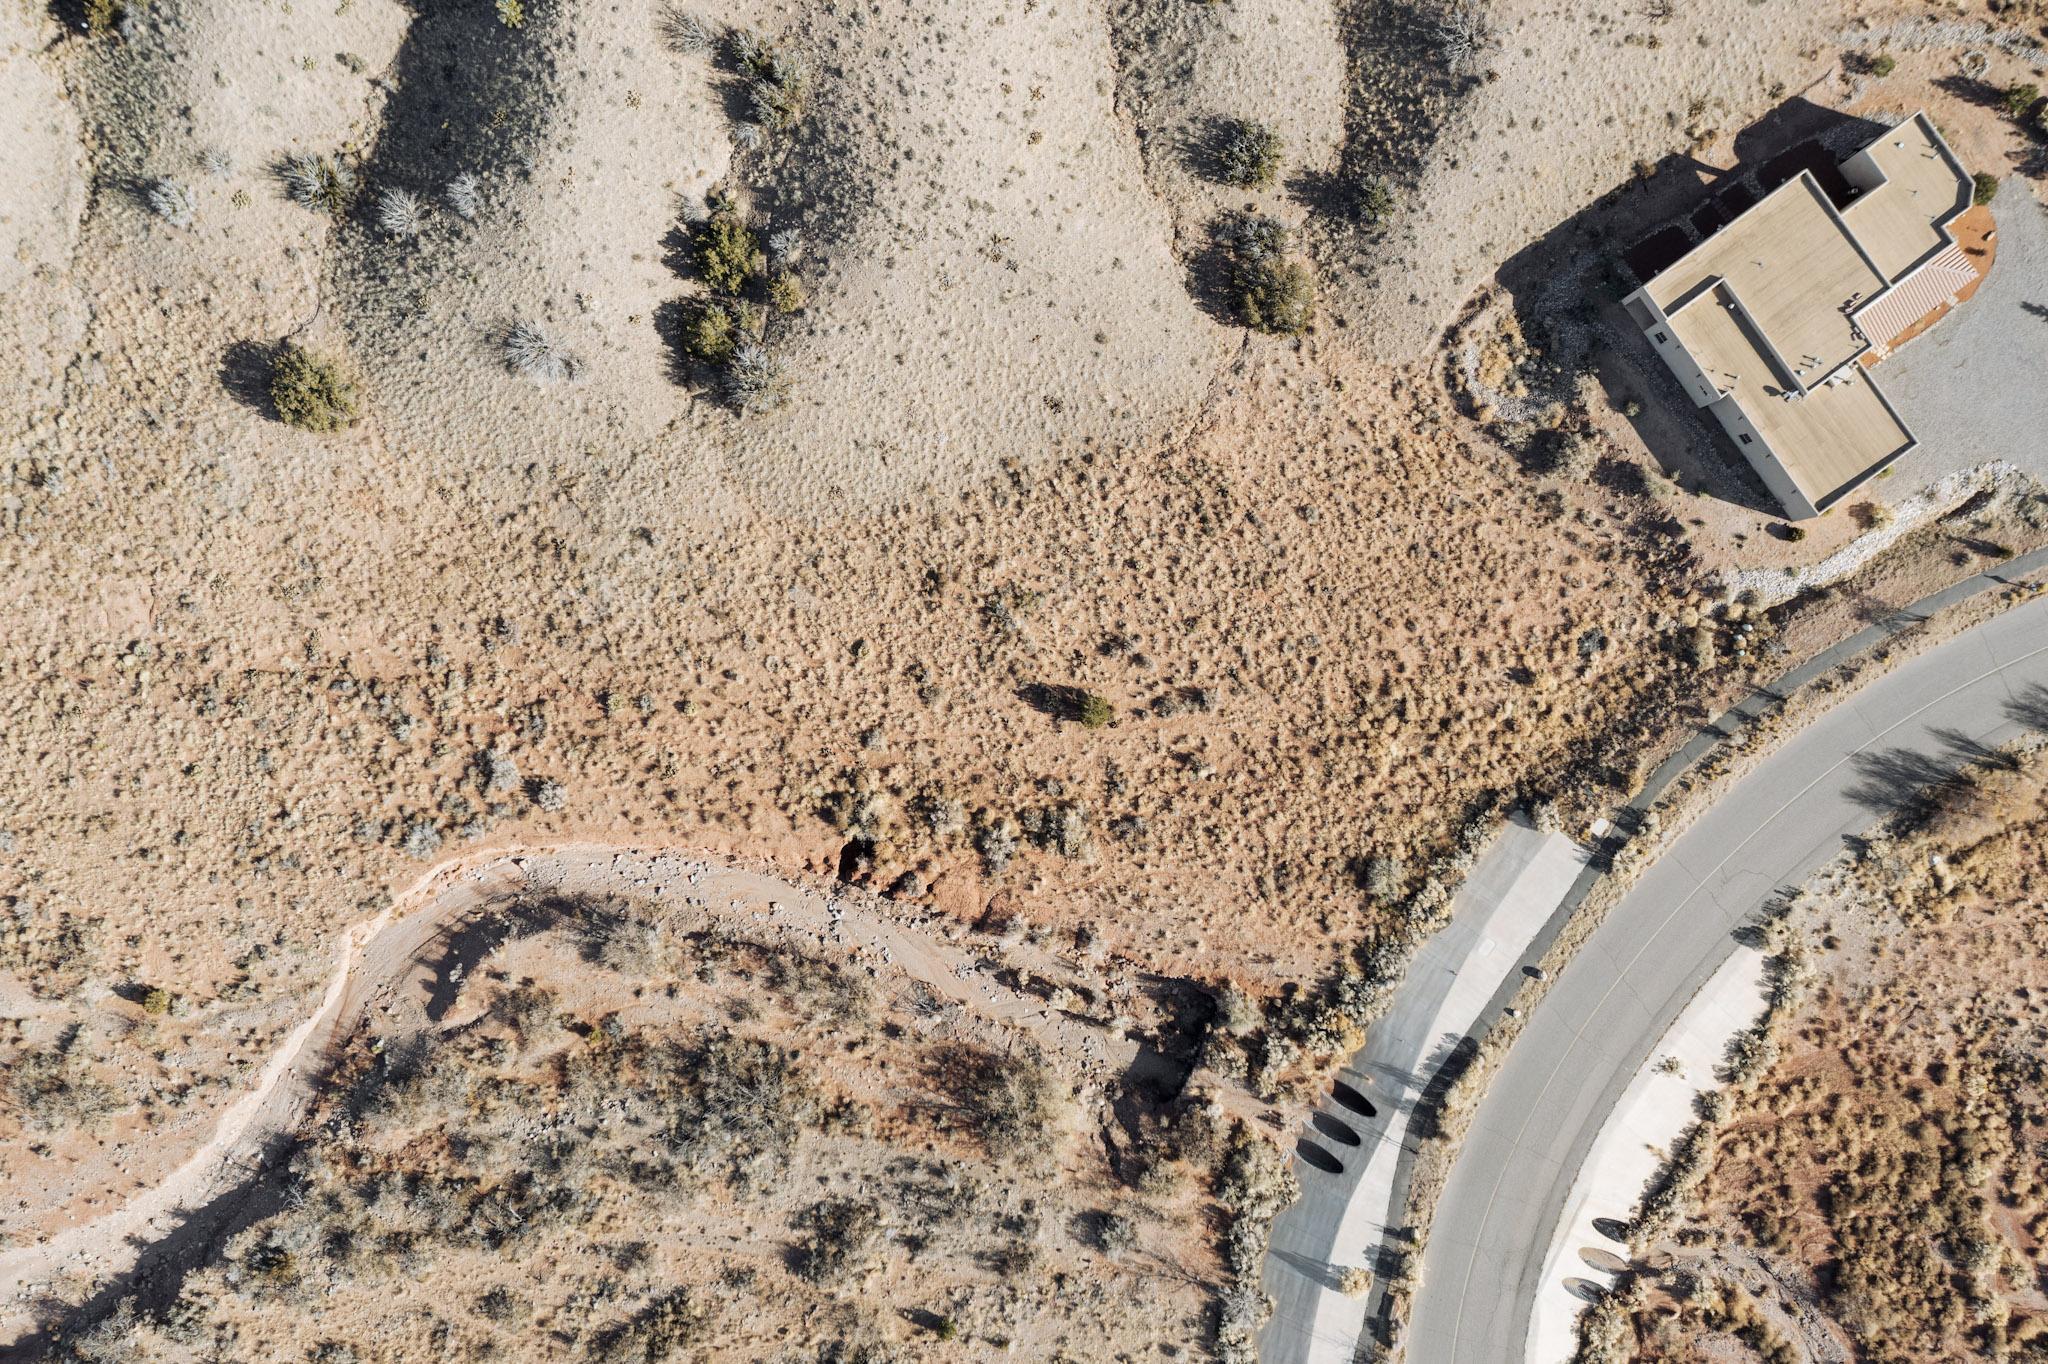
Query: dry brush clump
{"x": 741, "y": 1142}
{"x": 312, "y": 392}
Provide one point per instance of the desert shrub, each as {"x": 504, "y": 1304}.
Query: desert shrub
{"x": 465, "y": 196}
{"x": 734, "y": 1105}
{"x": 496, "y": 771}
{"x": 1883, "y": 64}
{"x": 754, "y": 380}
{"x": 728, "y": 253}
{"x": 549, "y": 795}
{"x": 101, "y": 17}
{"x": 532, "y": 353}
{"x": 1570, "y": 455}
{"x": 786, "y": 292}
{"x": 2017, "y": 99}
{"x": 310, "y": 391}
{"x": 401, "y": 213}
{"x": 1061, "y": 827}
{"x": 1094, "y": 710}
{"x": 320, "y": 183}
{"x": 1382, "y": 878}
{"x": 1115, "y": 1234}
{"x": 1375, "y": 200}
{"x": 512, "y": 13}
{"x": 1461, "y": 32}
{"x": 172, "y": 202}
{"x": 1248, "y": 156}
{"x": 776, "y": 81}
{"x": 839, "y": 1236}
{"x": 1986, "y": 188}
{"x": 1271, "y": 291}
{"x": 656, "y": 1332}
{"x": 1008, "y": 1100}
{"x": 807, "y": 984}
{"x": 1237, "y": 1012}
{"x": 995, "y": 838}
{"x": 686, "y": 34}
{"x": 52, "y": 1091}
{"x": 420, "y": 839}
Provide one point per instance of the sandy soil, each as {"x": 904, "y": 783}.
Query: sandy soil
{"x": 385, "y": 967}
{"x": 255, "y": 678}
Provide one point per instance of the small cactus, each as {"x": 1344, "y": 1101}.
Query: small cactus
{"x": 172, "y": 202}
{"x": 465, "y": 196}
{"x": 401, "y": 213}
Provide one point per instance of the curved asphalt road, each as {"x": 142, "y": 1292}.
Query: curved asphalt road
{"x": 1507, "y": 1189}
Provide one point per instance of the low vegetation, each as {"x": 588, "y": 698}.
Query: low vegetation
{"x": 311, "y": 391}
{"x": 636, "y": 1137}
{"x": 1271, "y": 290}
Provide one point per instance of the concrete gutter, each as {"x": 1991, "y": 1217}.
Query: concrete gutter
{"x": 1342, "y": 1217}
{"x": 1632, "y": 1146}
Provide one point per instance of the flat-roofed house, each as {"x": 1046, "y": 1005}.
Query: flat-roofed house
{"x": 1767, "y": 322}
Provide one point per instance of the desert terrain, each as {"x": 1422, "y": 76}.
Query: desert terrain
{"x": 1078, "y": 474}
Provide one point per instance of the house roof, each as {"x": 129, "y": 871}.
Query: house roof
{"x": 1797, "y": 271}
{"x": 1765, "y": 305}
{"x": 1900, "y": 222}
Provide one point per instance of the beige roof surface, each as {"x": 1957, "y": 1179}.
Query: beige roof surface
{"x": 1899, "y": 221}
{"x": 1830, "y": 437}
{"x": 1797, "y": 272}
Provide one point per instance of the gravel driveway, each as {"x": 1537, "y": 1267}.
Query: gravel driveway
{"x": 1975, "y": 389}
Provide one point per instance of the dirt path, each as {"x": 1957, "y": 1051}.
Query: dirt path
{"x": 380, "y": 961}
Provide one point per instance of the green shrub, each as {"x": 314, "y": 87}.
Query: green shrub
{"x": 1375, "y": 200}
{"x": 104, "y": 16}
{"x": 2017, "y": 99}
{"x": 1986, "y": 188}
{"x": 156, "y": 1000}
{"x": 310, "y": 391}
{"x": 712, "y": 333}
{"x": 1883, "y": 64}
{"x": 786, "y": 292}
{"x": 1271, "y": 291}
{"x": 1795, "y": 533}
{"x": 1249, "y": 156}
{"x": 512, "y": 13}
{"x": 728, "y": 253}
{"x": 1094, "y": 710}
{"x": 1276, "y": 295}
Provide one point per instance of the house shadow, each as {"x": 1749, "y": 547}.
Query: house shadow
{"x": 1566, "y": 287}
